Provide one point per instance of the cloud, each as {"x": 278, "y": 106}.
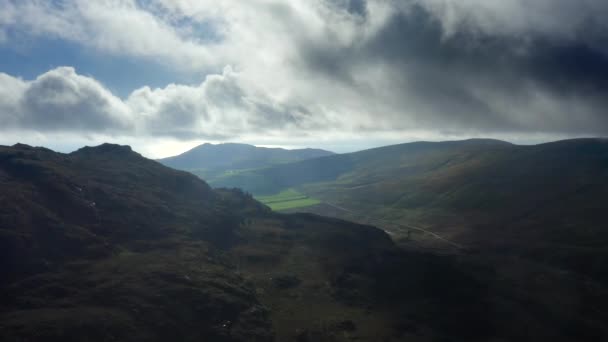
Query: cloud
{"x": 223, "y": 106}
{"x": 11, "y": 92}
{"x": 60, "y": 100}
{"x": 332, "y": 68}
{"x": 113, "y": 26}
{"x": 562, "y": 19}
{"x": 63, "y": 100}
{"x": 441, "y": 64}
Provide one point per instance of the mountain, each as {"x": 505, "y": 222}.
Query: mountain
{"x": 210, "y": 161}
{"x": 544, "y": 202}
{"x": 105, "y": 245}
{"x": 368, "y": 163}
{"x": 99, "y": 245}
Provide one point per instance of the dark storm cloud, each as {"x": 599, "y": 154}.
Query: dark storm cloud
{"x": 568, "y": 66}
{"x": 440, "y": 75}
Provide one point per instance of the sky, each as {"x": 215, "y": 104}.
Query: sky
{"x": 166, "y": 75}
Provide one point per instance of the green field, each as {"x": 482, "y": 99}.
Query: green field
{"x": 287, "y": 199}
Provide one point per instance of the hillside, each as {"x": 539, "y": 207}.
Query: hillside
{"x": 356, "y": 169}
{"x": 99, "y": 245}
{"x": 104, "y": 245}
{"x": 210, "y": 161}
{"x": 543, "y": 202}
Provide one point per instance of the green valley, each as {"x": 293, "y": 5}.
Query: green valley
{"x": 537, "y": 201}
{"x": 287, "y": 199}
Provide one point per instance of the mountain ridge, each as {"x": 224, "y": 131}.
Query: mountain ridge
{"x": 237, "y": 156}
{"x": 541, "y": 201}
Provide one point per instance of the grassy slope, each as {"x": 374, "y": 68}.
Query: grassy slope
{"x": 543, "y": 201}
{"x": 287, "y": 199}
{"x": 324, "y": 285}
{"x": 271, "y": 180}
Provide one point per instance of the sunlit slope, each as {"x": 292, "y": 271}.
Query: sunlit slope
{"x": 288, "y": 199}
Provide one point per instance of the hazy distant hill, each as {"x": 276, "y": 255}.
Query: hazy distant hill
{"x": 209, "y": 160}
{"x": 105, "y": 245}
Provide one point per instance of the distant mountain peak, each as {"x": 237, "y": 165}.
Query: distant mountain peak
{"x": 22, "y": 146}
{"x": 234, "y": 156}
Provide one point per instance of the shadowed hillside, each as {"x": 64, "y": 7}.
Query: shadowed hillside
{"x": 104, "y": 245}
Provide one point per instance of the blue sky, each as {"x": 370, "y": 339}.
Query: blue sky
{"x": 345, "y": 75}
{"x": 121, "y": 74}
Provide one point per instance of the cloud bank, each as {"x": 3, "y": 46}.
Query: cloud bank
{"x": 221, "y": 107}
{"x": 329, "y": 68}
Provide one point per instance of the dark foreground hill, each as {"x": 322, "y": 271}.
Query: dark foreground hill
{"x": 104, "y": 245}
{"x": 210, "y": 161}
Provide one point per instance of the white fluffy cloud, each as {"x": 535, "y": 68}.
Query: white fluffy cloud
{"x": 111, "y": 26}
{"x": 11, "y": 92}
{"x": 61, "y": 100}
{"x": 221, "y": 107}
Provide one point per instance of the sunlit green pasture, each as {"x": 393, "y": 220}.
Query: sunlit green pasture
{"x": 287, "y": 199}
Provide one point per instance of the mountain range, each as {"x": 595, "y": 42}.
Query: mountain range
{"x": 104, "y": 245}
{"x": 541, "y": 201}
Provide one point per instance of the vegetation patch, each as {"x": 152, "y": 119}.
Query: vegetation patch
{"x": 288, "y": 199}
